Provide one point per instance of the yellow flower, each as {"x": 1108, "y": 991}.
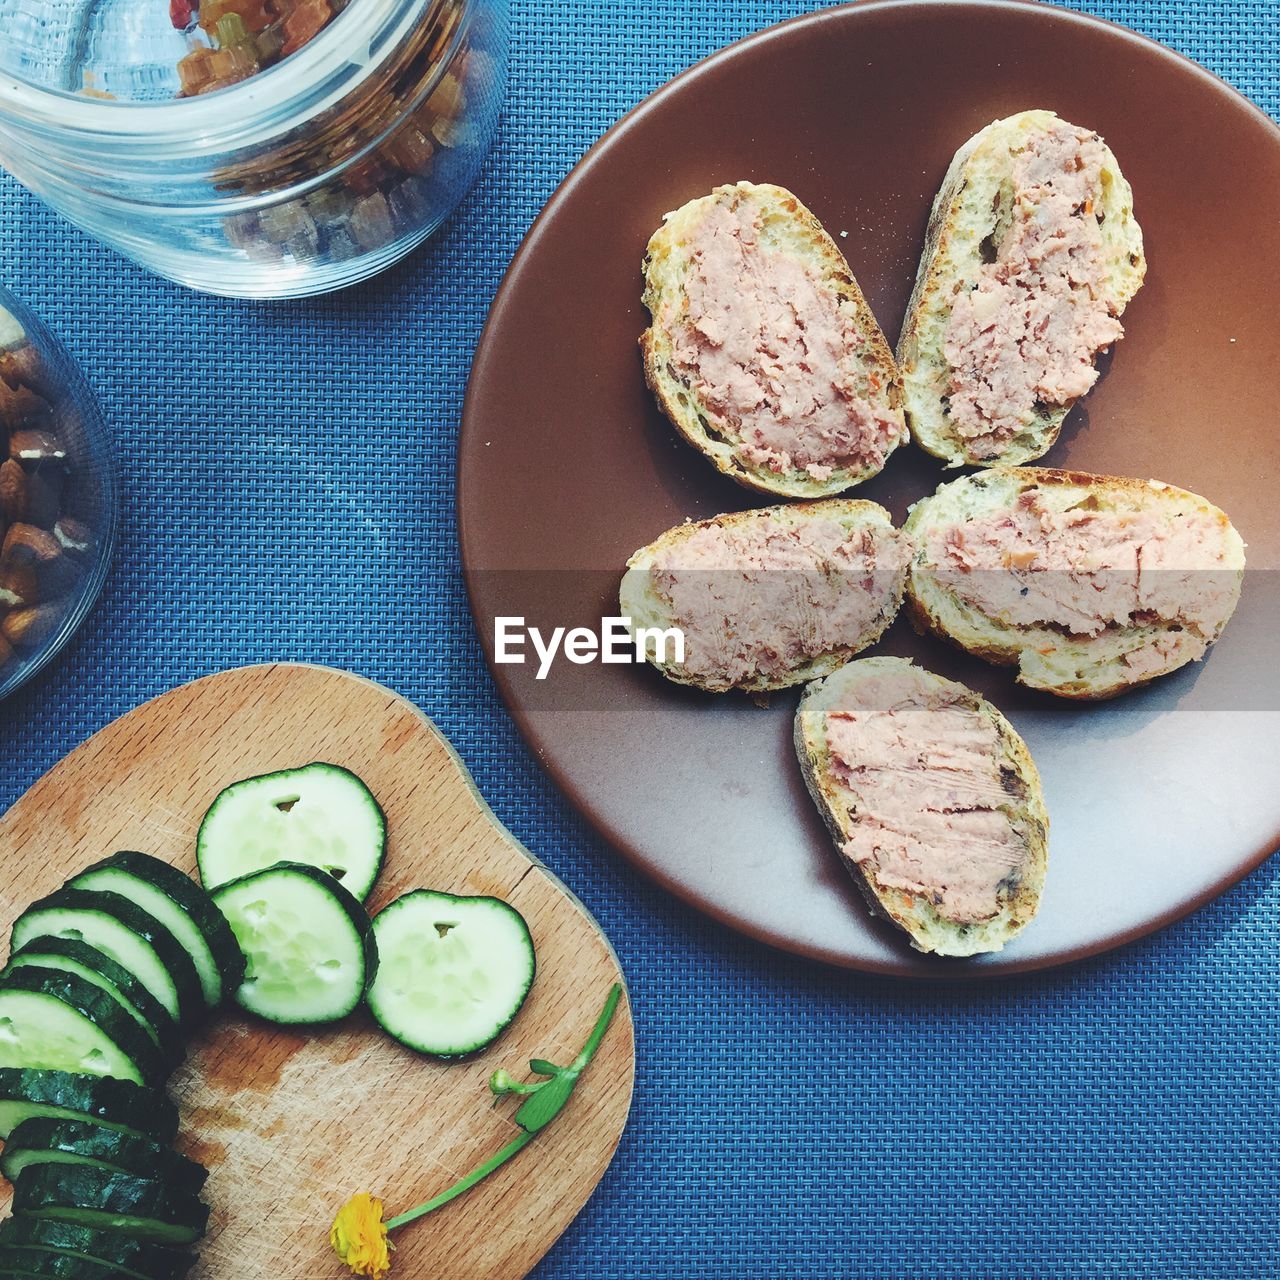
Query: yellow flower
{"x": 359, "y": 1237}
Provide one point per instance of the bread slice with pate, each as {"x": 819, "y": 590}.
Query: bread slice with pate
{"x": 762, "y": 350}
{"x": 768, "y": 598}
{"x": 933, "y": 801}
{"x": 1090, "y": 585}
{"x": 1031, "y": 256}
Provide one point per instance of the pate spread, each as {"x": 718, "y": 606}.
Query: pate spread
{"x": 1085, "y": 569}
{"x": 932, "y": 811}
{"x": 765, "y": 595}
{"x": 1026, "y": 335}
{"x": 769, "y": 348}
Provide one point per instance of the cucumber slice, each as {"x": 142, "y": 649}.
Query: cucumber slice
{"x": 128, "y": 934}
{"x": 23, "y": 1264}
{"x": 115, "y": 1104}
{"x": 320, "y": 815}
{"x": 134, "y": 1258}
{"x": 99, "y": 968}
{"x": 143, "y": 1208}
{"x": 454, "y": 971}
{"x": 57, "y": 1021}
{"x": 41, "y": 1140}
{"x": 183, "y": 907}
{"x": 308, "y": 943}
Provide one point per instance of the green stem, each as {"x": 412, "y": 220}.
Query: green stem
{"x": 566, "y": 1079}
{"x": 597, "y": 1032}
{"x": 463, "y": 1184}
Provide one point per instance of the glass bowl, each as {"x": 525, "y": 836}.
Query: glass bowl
{"x": 59, "y": 500}
{"x": 257, "y": 155}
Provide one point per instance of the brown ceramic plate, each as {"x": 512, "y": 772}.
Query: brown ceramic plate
{"x": 1159, "y": 800}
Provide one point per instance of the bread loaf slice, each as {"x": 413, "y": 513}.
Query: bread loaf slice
{"x": 932, "y": 799}
{"x": 1090, "y": 585}
{"x": 762, "y": 350}
{"x": 1031, "y": 255}
{"x": 768, "y": 598}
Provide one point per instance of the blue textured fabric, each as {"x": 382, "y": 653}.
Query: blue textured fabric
{"x": 289, "y": 481}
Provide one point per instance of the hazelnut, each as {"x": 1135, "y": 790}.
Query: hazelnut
{"x": 24, "y": 367}
{"x": 31, "y": 445}
{"x": 73, "y": 535}
{"x": 24, "y": 544}
{"x": 28, "y": 628}
{"x": 21, "y": 408}
{"x": 13, "y": 492}
{"x": 19, "y": 586}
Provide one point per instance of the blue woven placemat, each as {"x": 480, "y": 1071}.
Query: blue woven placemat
{"x": 289, "y": 478}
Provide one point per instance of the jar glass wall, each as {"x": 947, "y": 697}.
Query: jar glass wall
{"x": 311, "y": 174}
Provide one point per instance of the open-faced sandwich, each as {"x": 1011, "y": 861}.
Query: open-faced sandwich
{"x": 1090, "y": 585}
{"x": 933, "y": 800}
{"x": 1031, "y": 255}
{"x": 768, "y": 598}
{"x": 763, "y": 351}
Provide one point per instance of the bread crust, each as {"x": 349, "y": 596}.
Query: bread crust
{"x": 663, "y": 271}
{"x": 950, "y": 262}
{"x": 638, "y": 601}
{"x": 914, "y": 913}
{"x": 1078, "y": 670}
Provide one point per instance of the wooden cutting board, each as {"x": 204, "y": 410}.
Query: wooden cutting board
{"x": 292, "y": 1124}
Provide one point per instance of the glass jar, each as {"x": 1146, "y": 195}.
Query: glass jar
{"x": 309, "y": 175}
{"x": 58, "y": 496}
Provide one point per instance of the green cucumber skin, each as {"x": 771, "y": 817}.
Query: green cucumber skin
{"x": 173, "y": 955}
{"x": 27, "y": 1263}
{"x": 75, "y": 1194}
{"x": 97, "y": 1008}
{"x": 351, "y": 906}
{"x": 191, "y": 898}
{"x": 408, "y": 900}
{"x": 114, "y": 1103}
{"x": 136, "y": 1258}
{"x": 231, "y": 792}
{"x": 23, "y": 1264}
{"x": 124, "y": 1153}
{"x": 132, "y": 991}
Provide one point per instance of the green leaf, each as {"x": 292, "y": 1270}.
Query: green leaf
{"x": 541, "y": 1108}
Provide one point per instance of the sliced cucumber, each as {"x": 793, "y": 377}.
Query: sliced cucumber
{"x": 128, "y": 934}
{"x": 44, "y": 1141}
{"x": 57, "y": 1021}
{"x": 23, "y": 1264}
{"x": 183, "y": 907}
{"x": 143, "y": 1208}
{"x": 320, "y": 815}
{"x": 117, "y": 1104}
{"x": 134, "y": 1258}
{"x": 99, "y": 968}
{"x": 308, "y": 943}
{"x": 453, "y": 971}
